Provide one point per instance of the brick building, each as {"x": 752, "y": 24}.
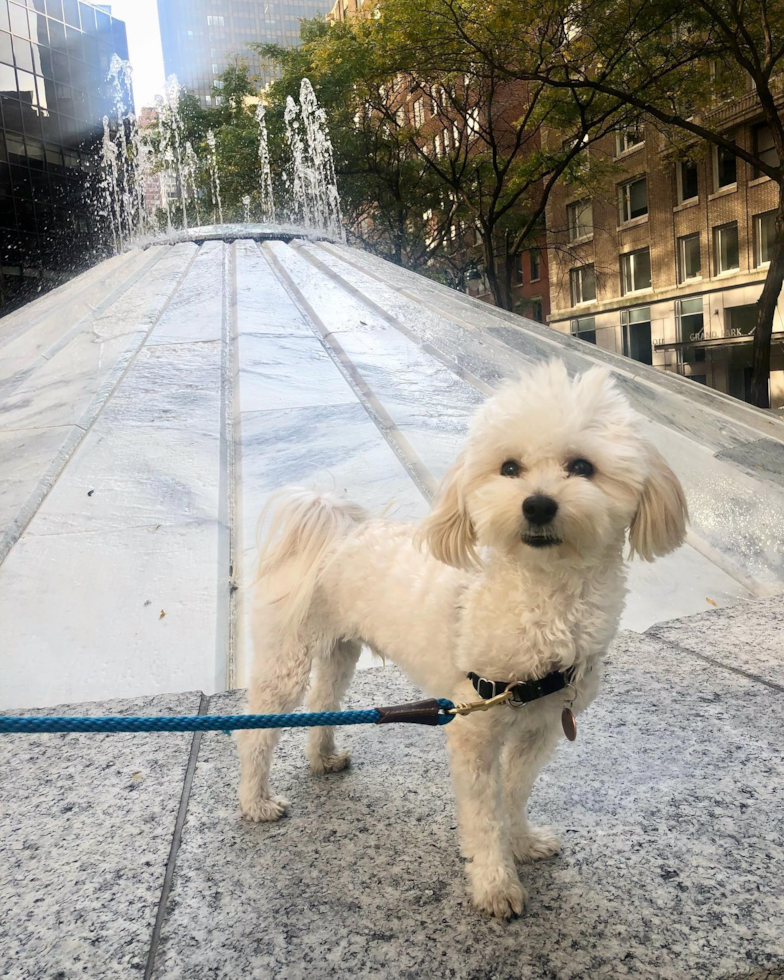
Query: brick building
{"x": 444, "y": 129}
{"x": 666, "y": 264}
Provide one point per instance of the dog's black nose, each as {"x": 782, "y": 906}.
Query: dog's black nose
{"x": 539, "y": 509}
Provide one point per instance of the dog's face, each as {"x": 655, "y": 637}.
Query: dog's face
{"x": 555, "y": 467}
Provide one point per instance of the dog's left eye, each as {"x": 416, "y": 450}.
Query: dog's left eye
{"x": 580, "y": 467}
{"x": 510, "y": 468}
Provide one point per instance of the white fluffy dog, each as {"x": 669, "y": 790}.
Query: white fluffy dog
{"x": 516, "y": 575}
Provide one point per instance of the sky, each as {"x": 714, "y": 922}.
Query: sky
{"x": 144, "y": 47}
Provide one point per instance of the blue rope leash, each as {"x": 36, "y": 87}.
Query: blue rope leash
{"x": 431, "y": 712}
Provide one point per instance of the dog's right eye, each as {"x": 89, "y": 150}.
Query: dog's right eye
{"x": 510, "y": 468}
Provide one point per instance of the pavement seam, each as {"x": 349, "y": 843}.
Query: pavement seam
{"x": 55, "y": 298}
{"x": 419, "y": 473}
{"x": 179, "y": 823}
{"x": 534, "y": 328}
{"x": 652, "y": 634}
{"x": 86, "y": 421}
{"x": 397, "y": 324}
{"x": 227, "y": 493}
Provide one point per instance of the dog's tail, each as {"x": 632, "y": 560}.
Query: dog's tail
{"x": 303, "y": 526}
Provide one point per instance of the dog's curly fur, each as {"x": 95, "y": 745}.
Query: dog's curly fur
{"x": 476, "y": 587}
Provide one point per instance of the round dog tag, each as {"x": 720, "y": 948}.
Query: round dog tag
{"x": 569, "y": 724}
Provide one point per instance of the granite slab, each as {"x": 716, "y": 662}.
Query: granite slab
{"x": 279, "y": 372}
{"x": 669, "y": 806}
{"x": 748, "y": 637}
{"x": 764, "y": 458}
{"x": 86, "y": 824}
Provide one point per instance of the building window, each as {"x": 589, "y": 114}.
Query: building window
{"x": 688, "y": 186}
{"x": 518, "y": 270}
{"x": 740, "y": 321}
{"x": 764, "y": 148}
{"x": 627, "y": 138}
{"x": 536, "y": 265}
{"x": 689, "y": 260}
{"x": 400, "y": 115}
{"x": 691, "y": 330}
{"x": 585, "y": 329}
{"x": 437, "y": 144}
{"x": 419, "y": 113}
{"x": 636, "y": 327}
{"x": 633, "y": 199}
{"x": 764, "y": 234}
{"x": 725, "y": 168}
{"x": 537, "y": 310}
{"x": 636, "y": 271}
{"x": 579, "y": 217}
{"x": 215, "y": 22}
{"x": 725, "y": 248}
{"x": 583, "y": 283}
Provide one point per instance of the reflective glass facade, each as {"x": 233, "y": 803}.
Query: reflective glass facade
{"x": 199, "y": 37}
{"x": 54, "y": 58}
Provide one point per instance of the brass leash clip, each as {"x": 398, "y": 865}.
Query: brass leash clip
{"x": 471, "y": 706}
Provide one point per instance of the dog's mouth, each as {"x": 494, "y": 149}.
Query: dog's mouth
{"x": 541, "y": 540}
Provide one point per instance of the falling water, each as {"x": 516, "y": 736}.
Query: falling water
{"x": 171, "y": 128}
{"x": 300, "y": 200}
{"x": 315, "y": 195}
{"x": 192, "y": 169}
{"x": 132, "y": 161}
{"x": 120, "y": 74}
{"x": 214, "y": 173}
{"x": 110, "y": 184}
{"x": 265, "y": 184}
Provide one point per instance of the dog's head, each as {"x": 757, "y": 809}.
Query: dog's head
{"x": 556, "y": 467}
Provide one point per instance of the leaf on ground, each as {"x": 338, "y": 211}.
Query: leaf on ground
{"x": 162, "y": 614}
{"x": 708, "y": 599}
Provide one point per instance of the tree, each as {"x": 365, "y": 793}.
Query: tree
{"x": 232, "y": 121}
{"x": 420, "y": 181}
{"x": 674, "y": 64}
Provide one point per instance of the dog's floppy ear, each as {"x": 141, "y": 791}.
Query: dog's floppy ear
{"x": 447, "y": 531}
{"x": 659, "y": 526}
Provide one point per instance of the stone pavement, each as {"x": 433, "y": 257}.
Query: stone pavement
{"x": 124, "y": 855}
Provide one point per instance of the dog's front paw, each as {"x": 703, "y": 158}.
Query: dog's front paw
{"x": 263, "y": 809}
{"x": 535, "y": 843}
{"x": 497, "y": 892}
{"x": 336, "y": 762}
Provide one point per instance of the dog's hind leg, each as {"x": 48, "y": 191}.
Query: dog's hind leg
{"x": 332, "y": 674}
{"x": 523, "y": 756}
{"x": 280, "y": 675}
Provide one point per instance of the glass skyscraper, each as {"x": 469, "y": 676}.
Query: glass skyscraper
{"x": 54, "y": 59}
{"x": 199, "y": 37}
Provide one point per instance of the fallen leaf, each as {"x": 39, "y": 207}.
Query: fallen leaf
{"x": 162, "y": 614}
{"x": 154, "y": 527}
{"x": 90, "y": 493}
{"x": 148, "y": 602}
{"x": 136, "y": 777}
{"x": 708, "y": 599}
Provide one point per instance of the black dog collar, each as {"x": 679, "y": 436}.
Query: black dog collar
{"x": 524, "y": 691}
